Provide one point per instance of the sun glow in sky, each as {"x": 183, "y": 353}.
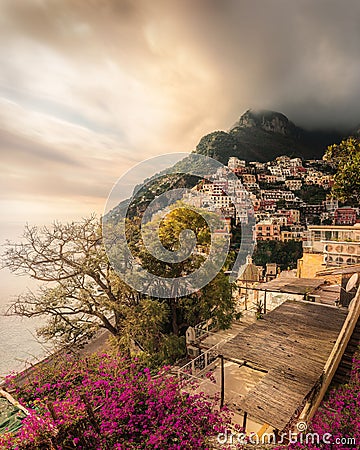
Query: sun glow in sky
{"x": 90, "y": 88}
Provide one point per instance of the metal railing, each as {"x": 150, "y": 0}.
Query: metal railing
{"x": 201, "y": 362}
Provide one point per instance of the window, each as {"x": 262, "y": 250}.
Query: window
{"x": 317, "y": 236}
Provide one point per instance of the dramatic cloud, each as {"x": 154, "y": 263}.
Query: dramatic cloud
{"x": 89, "y": 88}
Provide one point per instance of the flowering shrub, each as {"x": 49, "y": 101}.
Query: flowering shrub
{"x": 106, "y": 402}
{"x": 339, "y": 416}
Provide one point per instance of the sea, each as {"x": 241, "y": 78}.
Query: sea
{"x": 19, "y": 345}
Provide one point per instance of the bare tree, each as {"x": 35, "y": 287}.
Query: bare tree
{"x": 79, "y": 291}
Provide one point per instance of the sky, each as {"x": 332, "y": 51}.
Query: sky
{"x": 89, "y": 88}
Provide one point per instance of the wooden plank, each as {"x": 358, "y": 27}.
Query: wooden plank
{"x": 334, "y": 357}
{"x": 14, "y": 402}
{"x": 292, "y": 343}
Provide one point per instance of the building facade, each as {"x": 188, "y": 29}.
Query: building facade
{"x": 267, "y": 230}
{"x": 338, "y": 245}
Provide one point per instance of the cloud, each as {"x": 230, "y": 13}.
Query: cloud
{"x": 157, "y": 66}
{"x": 42, "y": 156}
{"x": 87, "y": 89}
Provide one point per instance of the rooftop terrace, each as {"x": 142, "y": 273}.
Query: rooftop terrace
{"x": 292, "y": 344}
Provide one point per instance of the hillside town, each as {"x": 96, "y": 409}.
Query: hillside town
{"x": 277, "y": 191}
{"x": 290, "y": 200}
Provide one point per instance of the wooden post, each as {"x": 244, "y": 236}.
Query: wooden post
{"x": 244, "y": 421}
{"x": 222, "y": 381}
{"x": 52, "y": 411}
{"x": 90, "y": 414}
{"x": 276, "y": 434}
{"x": 265, "y": 302}
{"x": 246, "y": 295}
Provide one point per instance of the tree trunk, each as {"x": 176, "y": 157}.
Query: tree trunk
{"x": 174, "y": 323}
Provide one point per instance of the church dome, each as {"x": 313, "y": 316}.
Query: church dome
{"x": 249, "y": 272}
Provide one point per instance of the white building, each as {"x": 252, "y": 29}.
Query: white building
{"x": 295, "y": 162}
{"x": 293, "y": 185}
{"x": 338, "y": 244}
{"x": 288, "y": 196}
{"x": 331, "y": 204}
{"x": 235, "y": 163}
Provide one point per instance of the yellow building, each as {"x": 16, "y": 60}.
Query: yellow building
{"x": 309, "y": 265}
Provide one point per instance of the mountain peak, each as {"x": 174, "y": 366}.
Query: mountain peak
{"x": 262, "y": 135}
{"x": 267, "y": 120}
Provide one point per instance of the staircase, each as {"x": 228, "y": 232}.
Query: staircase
{"x": 342, "y": 374}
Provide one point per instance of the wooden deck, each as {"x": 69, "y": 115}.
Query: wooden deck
{"x": 292, "y": 343}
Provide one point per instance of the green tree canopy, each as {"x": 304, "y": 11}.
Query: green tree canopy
{"x": 214, "y": 301}
{"x": 346, "y": 159}
{"x": 285, "y": 254}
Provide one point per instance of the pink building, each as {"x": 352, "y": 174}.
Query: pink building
{"x": 345, "y": 216}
